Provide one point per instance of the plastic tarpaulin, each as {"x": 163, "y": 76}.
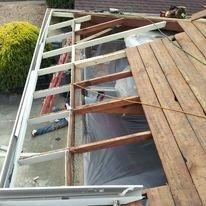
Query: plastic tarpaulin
{"x": 136, "y": 163}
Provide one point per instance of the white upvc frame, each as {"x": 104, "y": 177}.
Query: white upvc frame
{"x": 72, "y": 196}
{"x": 58, "y": 37}
{"x": 14, "y": 152}
{"x": 51, "y": 91}
{"x": 105, "y": 39}
{"x": 69, "y": 22}
{"x": 17, "y": 137}
{"x": 84, "y": 62}
{"x": 48, "y": 117}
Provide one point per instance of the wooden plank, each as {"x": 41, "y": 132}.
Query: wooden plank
{"x": 113, "y": 142}
{"x": 179, "y": 124}
{"x": 78, "y": 169}
{"x": 101, "y": 106}
{"x": 103, "y": 79}
{"x": 201, "y": 26}
{"x": 132, "y": 20}
{"x": 197, "y": 84}
{"x": 195, "y": 35}
{"x": 99, "y": 27}
{"x": 186, "y": 43}
{"x": 198, "y": 15}
{"x": 183, "y": 93}
{"x": 133, "y": 109}
{"x": 160, "y": 196}
{"x": 69, "y": 166}
{"x": 178, "y": 177}
{"x": 101, "y": 33}
{"x": 135, "y": 204}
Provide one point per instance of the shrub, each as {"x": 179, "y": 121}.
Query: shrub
{"x": 17, "y": 44}
{"x": 64, "y": 4}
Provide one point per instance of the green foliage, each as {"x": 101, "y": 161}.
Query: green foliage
{"x": 64, "y": 4}
{"x": 17, "y": 44}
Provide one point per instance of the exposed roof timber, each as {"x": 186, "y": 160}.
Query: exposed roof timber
{"x": 103, "y": 79}
{"x": 105, "y": 39}
{"x": 100, "y": 26}
{"x": 69, "y": 22}
{"x": 134, "y": 109}
{"x": 132, "y": 19}
{"x": 105, "y": 105}
{"x": 103, "y": 144}
{"x": 113, "y": 142}
{"x": 95, "y": 35}
{"x": 198, "y": 15}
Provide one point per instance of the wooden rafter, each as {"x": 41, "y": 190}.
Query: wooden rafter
{"x": 113, "y": 142}
{"x": 99, "y": 27}
{"x": 133, "y": 109}
{"x": 198, "y": 15}
{"x": 106, "y": 78}
{"x": 102, "y": 106}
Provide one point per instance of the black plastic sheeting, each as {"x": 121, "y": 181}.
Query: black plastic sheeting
{"x": 132, "y": 164}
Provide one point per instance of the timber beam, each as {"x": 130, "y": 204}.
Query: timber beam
{"x": 106, "y": 78}
{"x": 113, "y": 142}
{"x": 99, "y": 27}
{"x": 133, "y": 109}
{"x": 109, "y": 105}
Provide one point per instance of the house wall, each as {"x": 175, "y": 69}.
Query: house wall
{"x": 139, "y": 6}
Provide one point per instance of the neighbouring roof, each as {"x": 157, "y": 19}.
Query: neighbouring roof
{"x": 139, "y": 6}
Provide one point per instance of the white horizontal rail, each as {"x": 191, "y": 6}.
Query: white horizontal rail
{"x": 56, "y": 52}
{"x": 95, "y": 35}
{"x": 103, "y": 89}
{"x": 42, "y": 157}
{"x": 69, "y": 22}
{"x": 84, "y": 62}
{"x": 100, "y": 59}
{"x": 3, "y": 155}
{"x": 106, "y": 39}
{"x": 49, "y": 117}
{"x": 58, "y": 38}
{"x": 63, "y": 14}
{"x": 54, "y": 69}
{"x": 51, "y": 91}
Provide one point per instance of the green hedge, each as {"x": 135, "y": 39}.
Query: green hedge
{"x": 17, "y": 44}
{"x": 64, "y": 4}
